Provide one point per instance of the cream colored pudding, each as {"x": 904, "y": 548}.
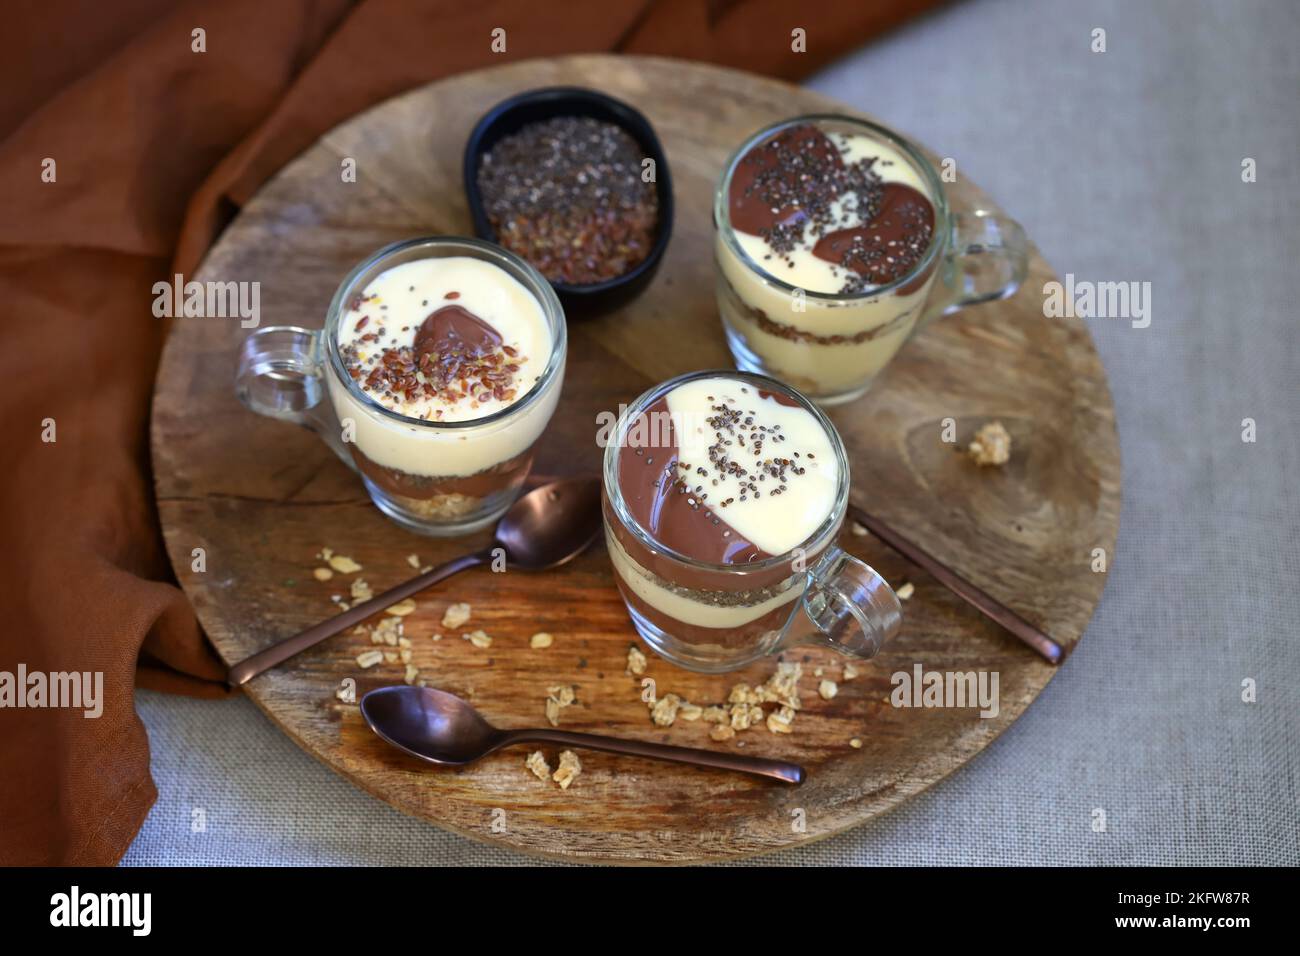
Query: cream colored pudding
{"x": 816, "y": 219}
{"x": 444, "y": 341}
{"x": 723, "y": 477}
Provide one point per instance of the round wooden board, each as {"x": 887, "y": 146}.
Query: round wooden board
{"x": 263, "y": 498}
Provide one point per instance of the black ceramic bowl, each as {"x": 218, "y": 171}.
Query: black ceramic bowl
{"x": 508, "y": 116}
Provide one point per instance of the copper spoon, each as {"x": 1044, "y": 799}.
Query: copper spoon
{"x": 441, "y": 728}
{"x": 548, "y": 526}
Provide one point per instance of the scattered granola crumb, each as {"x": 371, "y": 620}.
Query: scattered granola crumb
{"x": 635, "y": 661}
{"x": 413, "y": 560}
{"x": 455, "y": 616}
{"x": 664, "y": 711}
{"x": 819, "y": 671}
{"x": 716, "y": 715}
{"x": 435, "y": 637}
{"x": 568, "y": 769}
{"x": 404, "y": 654}
{"x": 326, "y": 554}
{"x": 536, "y": 762}
{"x": 856, "y": 743}
{"x": 783, "y": 686}
{"x": 390, "y": 656}
{"x": 412, "y": 672}
{"x": 322, "y": 574}
{"x": 479, "y": 639}
{"x": 781, "y": 721}
{"x": 559, "y": 697}
{"x": 388, "y": 631}
{"x": 743, "y": 694}
{"x": 991, "y": 445}
{"x": 342, "y": 563}
{"x": 906, "y": 591}
{"x": 859, "y": 530}
{"x": 850, "y": 672}
{"x": 689, "y": 711}
{"x": 361, "y": 590}
{"x": 741, "y": 716}
{"x": 370, "y": 658}
{"x": 828, "y": 689}
{"x": 722, "y": 732}
{"x": 540, "y": 640}
{"x": 401, "y": 608}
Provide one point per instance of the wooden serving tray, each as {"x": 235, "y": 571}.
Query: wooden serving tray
{"x": 263, "y": 498}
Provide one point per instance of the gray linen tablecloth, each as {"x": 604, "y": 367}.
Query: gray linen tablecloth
{"x": 1124, "y": 166}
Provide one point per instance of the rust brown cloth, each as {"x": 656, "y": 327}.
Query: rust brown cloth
{"x": 154, "y": 147}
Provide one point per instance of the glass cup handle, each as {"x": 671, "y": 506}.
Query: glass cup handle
{"x": 987, "y": 259}
{"x": 847, "y": 606}
{"x": 279, "y": 376}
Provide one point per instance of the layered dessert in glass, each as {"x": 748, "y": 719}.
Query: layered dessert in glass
{"x": 828, "y": 231}
{"x": 721, "y": 491}
{"x": 449, "y": 355}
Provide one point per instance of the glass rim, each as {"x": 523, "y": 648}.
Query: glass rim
{"x": 536, "y": 285}
{"x": 615, "y": 494}
{"x": 937, "y": 197}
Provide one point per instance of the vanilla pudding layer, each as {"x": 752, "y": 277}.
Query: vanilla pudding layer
{"x": 775, "y": 516}
{"x": 821, "y": 367}
{"x": 398, "y": 301}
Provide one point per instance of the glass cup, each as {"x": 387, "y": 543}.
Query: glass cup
{"x": 832, "y": 346}
{"x": 433, "y": 478}
{"x": 719, "y": 617}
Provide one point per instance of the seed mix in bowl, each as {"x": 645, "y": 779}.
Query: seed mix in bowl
{"x": 567, "y": 194}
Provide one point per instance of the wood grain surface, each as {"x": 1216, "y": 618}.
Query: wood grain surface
{"x": 263, "y": 498}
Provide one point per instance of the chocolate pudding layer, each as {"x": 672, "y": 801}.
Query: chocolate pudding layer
{"x": 813, "y": 219}
{"x": 721, "y": 482}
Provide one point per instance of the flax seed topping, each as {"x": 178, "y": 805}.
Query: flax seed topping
{"x": 444, "y": 339}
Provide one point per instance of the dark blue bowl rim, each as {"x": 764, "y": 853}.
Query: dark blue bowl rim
{"x": 630, "y": 119}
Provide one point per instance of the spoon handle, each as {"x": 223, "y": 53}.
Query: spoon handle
{"x": 981, "y": 600}
{"x": 775, "y": 769}
{"x": 281, "y": 651}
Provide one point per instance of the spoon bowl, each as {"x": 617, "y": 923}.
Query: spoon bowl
{"x": 430, "y": 724}
{"x": 551, "y": 524}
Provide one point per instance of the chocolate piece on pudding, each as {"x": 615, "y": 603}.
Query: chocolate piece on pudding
{"x": 766, "y": 192}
